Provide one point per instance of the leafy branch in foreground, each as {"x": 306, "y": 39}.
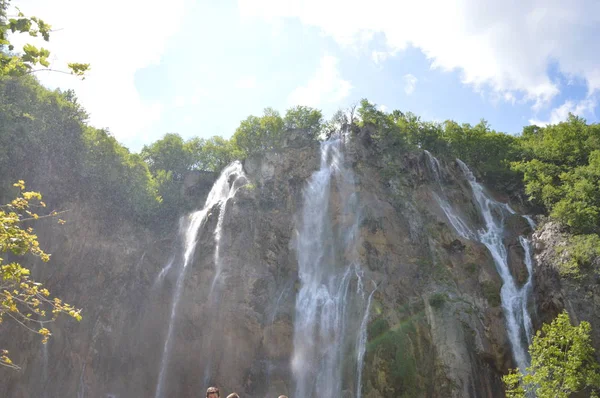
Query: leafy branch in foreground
{"x": 12, "y": 64}
{"x": 22, "y": 300}
{"x": 563, "y": 362}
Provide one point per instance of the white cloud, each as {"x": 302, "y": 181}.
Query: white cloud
{"x": 410, "y": 82}
{"x": 179, "y": 102}
{"x": 380, "y": 56}
{"x": 326, "y": 85}
{"x": 117, "y": 38}
{"x": 246, "y": 82}
{"x": 560, "y": 114}
{"x": 502, "y": 46}
{"x": 382, "y": 108}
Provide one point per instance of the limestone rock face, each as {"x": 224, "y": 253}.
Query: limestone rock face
{"x": 436, "y": 327}
{"x": 553, "y": 292}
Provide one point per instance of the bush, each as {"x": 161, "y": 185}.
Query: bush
{"x": 491, "y": 292}
{"x": 581, "y": 251}
{"x": 437, "y": 300}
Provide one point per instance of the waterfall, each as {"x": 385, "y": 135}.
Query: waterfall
{"x": 434, "y": 165}
{"x": 526, "y": 288}
{"x": 361, "y": 346}
{"x": 330, "y": 325}
{"x": 514, "y": 299}
{"x": 459, "y": 225}
{"x": 530, "y": 221}
{"x": 225, "y": 193}
{"x": 223, "y": 189}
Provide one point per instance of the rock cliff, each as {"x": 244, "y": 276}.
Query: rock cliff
{"x": 436, "y": 327}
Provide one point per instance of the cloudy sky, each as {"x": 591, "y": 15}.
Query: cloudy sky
{"x": 199, "y": 67}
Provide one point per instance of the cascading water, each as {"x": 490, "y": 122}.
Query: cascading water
{"x": 226, "y": 193}
{"x": 514, "y": 299}
{"x": 530, "y": 221}
{"x": 456, "y": 221}
{"x": 327, "y": 336}
{"x": 361, "y": 345}
{"x": 222, "y": 190}
{"x": 527, "y": 288}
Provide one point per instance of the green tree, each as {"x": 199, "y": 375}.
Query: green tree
{"x": 115, "y": 180}
{"x": 304, "y": 118}
{"x": 563, "y": 362}
{"x": 561, "y": 171}
{"x": 213, "y": 154}
{"x": 389, "y": 134}
{"x": 23, "y": 300}
{"x": 170, "y": 154}
{"x": 259, "y": 134}
{"x": 12, "y": 64}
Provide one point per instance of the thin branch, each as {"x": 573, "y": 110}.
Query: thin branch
{"x": 22, "y": 324}
{"x": 47, "y": 70}
{"x": 45, "y": 216}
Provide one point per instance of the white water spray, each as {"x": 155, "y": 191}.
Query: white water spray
{"x": 530, "y": 221}
{"x": 361, "y": 346}
{"x": 222, "y": 190}
{"x": 325, "y": 337}
{"x": 459, "y": 225}
{"x": 514, "y": 299}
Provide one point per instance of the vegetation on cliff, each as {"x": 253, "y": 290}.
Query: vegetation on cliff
{"x": 46, "y": 140}
{"x": 23, "y": 300}
{"x": 562, "y": 363}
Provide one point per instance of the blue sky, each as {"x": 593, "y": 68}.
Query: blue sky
{"x": 198, "y": 68}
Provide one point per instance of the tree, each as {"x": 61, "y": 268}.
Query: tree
{"x": 212, "y": 154}
{"x": 12, "y": 64}
{"x": 563, "y": 362}
{"x": 259, "y": 134}
{"x": 561, "y": 171}
{"x": 169, "y": 153}
{"x": 304, "y": 118}
{"x": 23, "y": 300}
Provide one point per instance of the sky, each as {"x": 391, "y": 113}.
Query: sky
{"x": 197, "y": 68}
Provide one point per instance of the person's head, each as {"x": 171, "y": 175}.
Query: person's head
{"x": 233, "y": 395}
{"x": 212, "y": 392}
{"x": 282, "y": 396}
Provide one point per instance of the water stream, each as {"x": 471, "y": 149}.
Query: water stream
{"x": 223, "y": 189}
{"x": 456, "y": 221}
{"x": 514, "y": 298}
{"x": 331, "y": 306}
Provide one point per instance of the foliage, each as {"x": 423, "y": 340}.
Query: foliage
{"x": 377, "y": 327}
{"x": 437, "y": 300}
{"x": 259, "y": 134}
{"x": 12, "y": 64}
{"x": 396, "y": 360}
{"x": 483, "y": 149}
{"x": 580, "y": 252}
{"x": 120, "y": 180}
{"x": 169, "y": 153}
{"x": 491, "y": 292}
{"x": 561, "y": 171}
{"x": 304, "y": 118}
{"x": 44, "y": 139}
{"x": 388, "y": 133}
{"x": 23, "y": 300}
{"x": 213, "y": 154}
{"x": 563, "y": 362}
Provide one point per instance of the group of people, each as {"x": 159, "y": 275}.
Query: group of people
{"x": 213, "y": 392}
